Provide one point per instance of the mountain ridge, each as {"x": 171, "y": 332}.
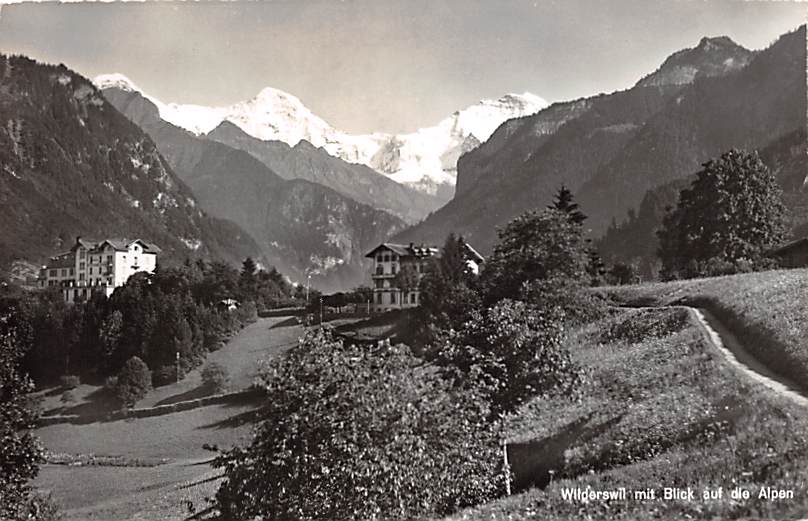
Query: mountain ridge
{"x": 303, "y": 228}
{"x": 72, "y": 165}
{"x": 424, "y": 159}
{"x": 610, "y": 148}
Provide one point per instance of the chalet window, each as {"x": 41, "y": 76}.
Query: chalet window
{"x": 379, "y": 257}
{"x": 82, "y": 253}
{"x": 109, "y": 258}
{"x": 393, "y": 269}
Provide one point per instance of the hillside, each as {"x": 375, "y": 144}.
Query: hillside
{"x": 663, "y": 408}
{"x": 71, "y": 164}
{"x": 610, "y": 149}
{"x": 305, "y": 161}
{"x": 301, "y": 227}
{"x": 634, "y": 239}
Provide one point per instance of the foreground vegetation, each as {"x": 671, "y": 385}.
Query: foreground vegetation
{"x": 768, "y": 310}
{"x": 661, "y": 409}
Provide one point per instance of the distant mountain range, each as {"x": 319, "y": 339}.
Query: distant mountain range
{"x": 303, "y": 228}
{"x": 425, "y": 159}
{"x": 611, "y": 149}
{"x": 71, "y": 164}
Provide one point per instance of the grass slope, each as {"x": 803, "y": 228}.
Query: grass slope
{"x": 165, "y": 464}
{"x": 661, "y": 408}
{"x": 768, "y": 311}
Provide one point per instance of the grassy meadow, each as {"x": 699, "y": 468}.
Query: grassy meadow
{"x": 156, "y": 468}
{"x": 660, "y": 408}
{"x": 768, "y": 311}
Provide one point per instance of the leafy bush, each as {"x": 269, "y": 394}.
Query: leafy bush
{"x": 247, "y": 313}
{"x": 166, "y": 375}
{"x": 349, "y": 433}
{"x": 68, "y": 397}
{"x": 215, "y": 377}
{"x": 21, "y": 452}
{"x": 514, "y": 352}
{"x": 579, "y": 305}
{"x": 134, "y": 381}
{"x": 69, "y": 381}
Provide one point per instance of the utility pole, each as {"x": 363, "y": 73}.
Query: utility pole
{"x": 308, "y": 283}
{"x": 321, "y": 312}
{"x": 178, "y": 367}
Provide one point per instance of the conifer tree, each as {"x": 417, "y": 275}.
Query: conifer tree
{"x": 565, "y": 202}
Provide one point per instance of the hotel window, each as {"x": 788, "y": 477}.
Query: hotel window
{"x": 379, "y": 284}
{"x": 82, "y": 253}
{"x": 53, "y": 273}
{"x": 378, "y": 297}
{"x": 81, "y": 276}
{"x": 72, "y": 272}
{"x": 64, "y": 272}
{"x": 392, "y": 298}
{"x": 82, "y": 265}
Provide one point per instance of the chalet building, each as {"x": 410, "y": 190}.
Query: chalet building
{"x": 794, "y": 254}
{"x": 97, "y": 266}
{"x": 389, "y": 259}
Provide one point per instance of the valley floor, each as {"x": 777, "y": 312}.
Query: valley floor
{"x": 166, "y": 474}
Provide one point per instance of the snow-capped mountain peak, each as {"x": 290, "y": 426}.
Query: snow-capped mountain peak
{"x": 117, "y": 81}
{"x": 425, "y": 159}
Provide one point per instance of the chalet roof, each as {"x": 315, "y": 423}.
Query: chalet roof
{"x": 118, "y": 244}
{"x": 798, "y": 243}
{"x": 404, "y": 250}
{"x": 412, "y": 250}
{"x": 474, "y": 253}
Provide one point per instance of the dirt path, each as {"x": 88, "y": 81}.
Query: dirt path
{"x": 732, "y": 348}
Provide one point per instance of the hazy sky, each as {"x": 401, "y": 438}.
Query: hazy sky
{"x": 382, "y": 65}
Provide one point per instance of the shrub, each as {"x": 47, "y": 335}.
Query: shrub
{"x": 166, "y": 375}
{"x": 579, "y": 305}
{"x": 350, "y": 433}
{"x": 134, "y": 381}
{"x": 247, "y": 313}
{"x": 69, "y": 381}
{"x": 215, "y": 377}
{"x": 513, "y": 352}
{"x": 111, "y": 382}
{"x": 68, "y": 397}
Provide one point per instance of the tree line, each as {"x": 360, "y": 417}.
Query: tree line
{"x": 152, "y": 318}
